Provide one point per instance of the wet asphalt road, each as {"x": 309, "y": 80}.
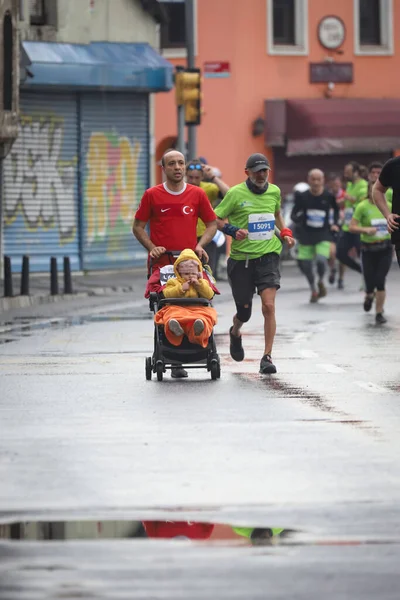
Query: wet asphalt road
{"x": 314, "y": 449}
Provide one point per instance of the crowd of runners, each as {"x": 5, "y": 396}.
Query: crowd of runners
{"x": 339, "y": 226}
{"x": 342, "y": 221}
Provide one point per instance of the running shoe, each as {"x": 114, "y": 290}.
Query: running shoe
{"x": 368, "y": 302}
{"x": 340, "y": 284}
{"x": 267, "y": 367}
{"x": 236, "y": 348}
{"x": 380, "y": 319}
{"x": 314, "y": 297}
{"x": 178, "y": 373}
{"x": 332, "y": 276}
{"x": 322, "y": 291}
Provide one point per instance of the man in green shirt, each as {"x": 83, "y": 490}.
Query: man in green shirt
{"x": 252, "y": 209}
{"x": 356, "y": 190}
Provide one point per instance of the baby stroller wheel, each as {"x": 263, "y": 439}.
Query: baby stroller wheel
{"x": 160, "y": 370}
{"x": 149, "y": 368}
{"x": 215, "y": 369}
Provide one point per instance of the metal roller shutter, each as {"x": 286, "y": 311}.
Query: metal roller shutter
{"x": 115, "y": 174}
{"x": 41, "y": 183}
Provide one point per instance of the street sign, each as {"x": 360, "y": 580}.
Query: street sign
{"x": 216, "y": 69}
{"x": 331, "y": 72}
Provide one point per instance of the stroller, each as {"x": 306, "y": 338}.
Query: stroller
{"x": 188, "y": 355}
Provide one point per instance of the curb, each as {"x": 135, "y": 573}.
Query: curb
{"x": 36, "y": 300}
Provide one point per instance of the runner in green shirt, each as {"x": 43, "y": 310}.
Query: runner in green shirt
{"x": 252, "y": 209}
{"x": 356, "y": 190}
{"x": 376, "y": 252}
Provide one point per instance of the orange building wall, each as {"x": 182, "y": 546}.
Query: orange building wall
{"x": 236, "y": 32}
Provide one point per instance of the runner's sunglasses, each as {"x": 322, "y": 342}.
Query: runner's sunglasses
{"x": 193, "y": 167}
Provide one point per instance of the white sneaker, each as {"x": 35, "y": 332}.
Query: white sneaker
{"x": 198, "y": 327}
{"x": 175, "y": 327}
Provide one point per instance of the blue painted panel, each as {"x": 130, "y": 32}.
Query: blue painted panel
{"x": 40, "y": 203}
{"x": 114, "y": 175}
{"x": 99, "y": 64}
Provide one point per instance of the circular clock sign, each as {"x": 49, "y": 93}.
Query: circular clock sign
{"x": 331, "y": 32}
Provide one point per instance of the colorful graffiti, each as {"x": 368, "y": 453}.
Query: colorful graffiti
{"x": 37, "y": 183}
{"x": 111, "y": 185}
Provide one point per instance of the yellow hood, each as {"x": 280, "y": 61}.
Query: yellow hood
{"x": 186, "y": 255}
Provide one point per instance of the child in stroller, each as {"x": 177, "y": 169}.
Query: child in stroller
{"x": 196, "y": 322}
{"x": 180, "y": 296}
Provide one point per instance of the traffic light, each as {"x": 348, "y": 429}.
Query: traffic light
{"x": 188, "y": 94}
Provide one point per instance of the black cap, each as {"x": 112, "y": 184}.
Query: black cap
{"x": 257, "y": 162}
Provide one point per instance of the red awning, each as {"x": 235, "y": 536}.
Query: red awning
{"x": 321, "y": 126}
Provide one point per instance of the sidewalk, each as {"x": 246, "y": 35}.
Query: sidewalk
{"x": 94, "y": 283}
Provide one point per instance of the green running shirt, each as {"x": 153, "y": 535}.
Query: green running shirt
{"x": 256, "y": 213}
{"x": 369, "y": 215}
{"x": 358, "y": 190}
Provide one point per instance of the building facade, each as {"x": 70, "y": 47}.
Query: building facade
{"x": 309, "y": 83}
{"x": 85, "y": 152}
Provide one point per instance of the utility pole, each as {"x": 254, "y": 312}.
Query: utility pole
{"x": 180, "y": 113}
{"x": 189, "y": 22}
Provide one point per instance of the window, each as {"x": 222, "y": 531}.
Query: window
{"x": 287, "y": 27}
{"x": 173, "y": 32}
{"x": 373, "y": 27}
{"x": 37, "y": 12}
{"x": 7, "y": 61}
{"x": 284, "y": 19}
{"x": 370, "y": 23}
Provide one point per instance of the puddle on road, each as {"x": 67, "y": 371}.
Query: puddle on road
{"x": 178, "y": 530}
{"x": 190, "y": 531}
{"x": 22, "y": 327}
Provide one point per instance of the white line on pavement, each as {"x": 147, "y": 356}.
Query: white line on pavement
{"x": 331, "y": 368}
{"x": 305, "y": 353}
{"x": 371, "y": 387}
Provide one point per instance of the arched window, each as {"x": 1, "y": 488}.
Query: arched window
{"x": 8, "y": 62}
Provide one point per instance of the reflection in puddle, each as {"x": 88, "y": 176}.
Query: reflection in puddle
{"x": 178, "y": 530}
{"x": 189, "y": 531}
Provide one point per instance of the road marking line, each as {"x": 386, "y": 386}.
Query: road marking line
{"x": 331, "y": 368}
{"x": 371, "y": 387}
{"x": 307, "y": 353}
{"x": 302, "y": 335}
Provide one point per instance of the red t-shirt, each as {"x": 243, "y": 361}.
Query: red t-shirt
{"x": 171, "y": 529}
{"x": 173, "y": 216}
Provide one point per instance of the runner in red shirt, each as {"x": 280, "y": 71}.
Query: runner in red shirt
{"x": 172, "y": 210}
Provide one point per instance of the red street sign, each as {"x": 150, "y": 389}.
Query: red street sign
{"x": 216, "y": 69}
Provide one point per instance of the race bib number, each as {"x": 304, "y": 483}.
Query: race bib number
{"x": 166, "y": 273}
{"x": 315, "y": 218}
{"x": 348, "y": 215}
{"x": 261, "y": 226}
{"x": 381, "y": 227}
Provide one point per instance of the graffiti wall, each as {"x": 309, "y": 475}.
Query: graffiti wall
{"x": 112, "y": 170}
{"x": 40, "y": 193}
{"x": 74, "y": 179}
{"x": 113, "y": 188}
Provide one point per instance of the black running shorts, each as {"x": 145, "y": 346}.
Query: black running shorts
{"x": 245, "y": 277}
